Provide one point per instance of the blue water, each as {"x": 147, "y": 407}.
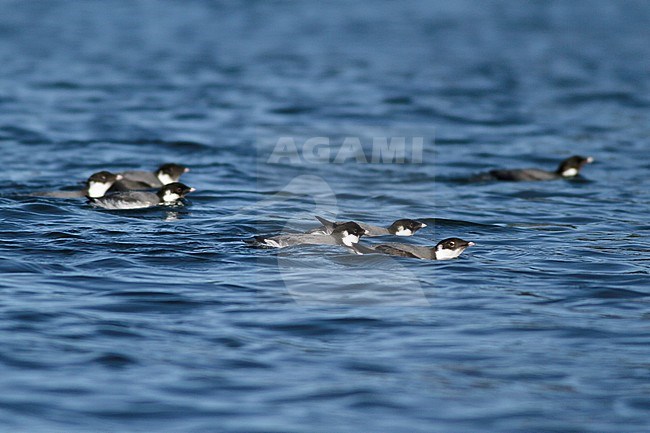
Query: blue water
{"x": 164, "y": 320}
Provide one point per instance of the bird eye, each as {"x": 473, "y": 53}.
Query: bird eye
{"x": 451, "y": 244}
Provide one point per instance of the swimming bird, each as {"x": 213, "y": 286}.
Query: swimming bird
{"x": 96, "y": 186}
{"x": 568, "y": 168}
{"x": 167, "y": 195}
{"x": 446, "y": 249}
{"x": 344, "y": 234}
{"x": 139, "y": 179}
{"x": 401, "y": 227}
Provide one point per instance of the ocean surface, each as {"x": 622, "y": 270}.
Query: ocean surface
{"x": 165, "y": 320}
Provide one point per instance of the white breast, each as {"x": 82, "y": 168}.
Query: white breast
{"x": 165, "y": 178}
{"x": 404, "y": 232}
{"x": 97, "y": 189}
{"x": 570, "y": 172}
{"x": 349, "y": 239}
{"x": 170, "y": 197}
{"x": 446, "y": 254}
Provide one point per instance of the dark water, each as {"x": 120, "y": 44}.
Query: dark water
{"x": 164, "y": 320}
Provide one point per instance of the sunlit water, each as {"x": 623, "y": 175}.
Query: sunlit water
{"x": 165, "y": 320}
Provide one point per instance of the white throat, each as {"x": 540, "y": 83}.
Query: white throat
{"x": 98, "y": 189}
{"x": 570, "y": 172}
{"x": 170, "y": 197}
{"x": 403, "y": 232}
{"x": 165, "y": 179}
{"x": 446, "y": 254}
{"x": 349, "y": 239}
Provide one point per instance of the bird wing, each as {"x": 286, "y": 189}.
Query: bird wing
{"x": 362, "y": 249}
{"x": 405, "y": 250}
{"x": 128, "y": 185}
{"x": 282, "y": 241}
{"x": 127, "y": 200}
{"x": 528, "y": 174}
{"x": 146, "y": 177}
{"x": 60, "y": 194}
{"x": 374, "y": 230}
{"x": 393, "y": 251}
